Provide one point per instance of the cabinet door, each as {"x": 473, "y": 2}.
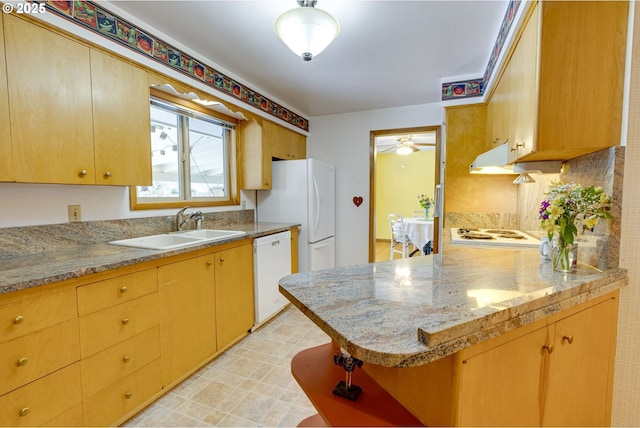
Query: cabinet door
{"x": 499, "y": 112}
{"x": 579, "y": 391}
{"x": 187, "y": 320}
{"x": 502, "y": 386}
{"x": 298, "y": 145}
{"x": 254, "y": 155}
{"x": 6, "y": 168}
{"x": 234, "y": 293}
{"x": 49, "y": 79}
{"x": 278, "y": 139}
{"x": 121, "y": 120}
{"x": 523, "y": 71}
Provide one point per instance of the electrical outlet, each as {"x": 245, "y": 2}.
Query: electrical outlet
{"x": 74, "y": 213}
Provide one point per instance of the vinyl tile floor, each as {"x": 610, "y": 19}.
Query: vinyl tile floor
{"x": 249, "y": 385}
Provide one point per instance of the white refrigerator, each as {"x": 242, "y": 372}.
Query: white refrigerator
{"x": 303, "y": 191}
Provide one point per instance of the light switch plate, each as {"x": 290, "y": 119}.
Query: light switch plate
{"x": 74, "y": 213}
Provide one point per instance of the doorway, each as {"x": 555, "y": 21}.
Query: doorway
{"x": 401, "y": 177}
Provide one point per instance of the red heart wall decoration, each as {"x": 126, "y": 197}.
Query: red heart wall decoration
{"x": 357, "y": 200}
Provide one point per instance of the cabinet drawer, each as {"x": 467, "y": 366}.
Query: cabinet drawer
{"x": 35, "y": 313}
{"x": 40, "y": 401}
{"x": 30, "y": 357}
{"x": 110, "y": 405}
{"x": 102, "y": 329}
{"x": 70, "y": 418}
{"x": 118, "y": 361}
{"x": 104, "y": 294}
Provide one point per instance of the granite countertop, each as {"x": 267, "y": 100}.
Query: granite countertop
{"x": 415, "y": 310}
{"x": 22, "y": 271}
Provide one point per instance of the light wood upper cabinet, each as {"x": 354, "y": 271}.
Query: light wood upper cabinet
{"x": 121, "y": 119}
{"x": 49, "y": 80}
{"x": 560, "y": 95}
{"x": 78, "y": 116}
{"x": 6, "y": 164}
{"x": 254, "y": 156}
{"x": 285, "y": 144}
{"x": 260, "y": 143}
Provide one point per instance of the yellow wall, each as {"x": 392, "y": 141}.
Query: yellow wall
{"x": 399, "y": 181}
{"x": 464, "y": 192}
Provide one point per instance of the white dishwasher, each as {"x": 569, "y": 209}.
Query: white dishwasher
{"x": 271, "y": 261}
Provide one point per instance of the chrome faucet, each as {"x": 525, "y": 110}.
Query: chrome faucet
{"x": 199, "y": 218}
{"x": 182, "y": 219}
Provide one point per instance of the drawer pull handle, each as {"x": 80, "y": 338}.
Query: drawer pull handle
{"x": 549, "y": 348}
{"x": 107, "y": 174}
{"x": 24, "y": 411}
{"x": 22, "y": 362}
{"x": 126, "y": 358}
{"x": 128, "y": 395}
{"x": 208, "y": 262}
{"x": 123, "y": 289}
{"x": 84, "y": 172}
{"x": 568, "y": 339}
{"x": 125, "y": 321}
{"x": 221, "y": 259}
{"x": 18, "y": 319}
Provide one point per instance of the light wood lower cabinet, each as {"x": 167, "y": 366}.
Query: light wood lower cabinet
{"x": 119, "y": 346}
{"x": 119, "y": 361}
{"x": 555, "y": 372}
{"x": 187, "y": 323}
{"x": 30, "y": 357}
{"x": 234, "y": 294}
{"x": 39, "y": 353}
{"x": 123, "y": 397}
{"x": 105, "y": 328}
{"x": 95, "y": 353}
{"x": 40, "y": 401}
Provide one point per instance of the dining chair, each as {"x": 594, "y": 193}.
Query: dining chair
{"x": 399, "y": 237}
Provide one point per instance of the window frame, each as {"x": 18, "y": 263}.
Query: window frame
{"x": 233, "y": 197}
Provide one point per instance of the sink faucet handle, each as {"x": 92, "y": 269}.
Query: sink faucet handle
{"x": 179, "y": 221}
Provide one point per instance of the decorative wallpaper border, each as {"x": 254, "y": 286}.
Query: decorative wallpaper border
{"x": 99, "y": 20}
{"x": 475, "y": 87}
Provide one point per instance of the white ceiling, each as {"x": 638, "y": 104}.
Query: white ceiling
{"x": 388, "y": 53}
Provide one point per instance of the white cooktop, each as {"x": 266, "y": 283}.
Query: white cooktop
{"x": 510, "y": 237}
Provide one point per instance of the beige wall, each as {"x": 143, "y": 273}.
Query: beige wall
{"x": 626, "y": 394}
{"x": 399, "y": 181}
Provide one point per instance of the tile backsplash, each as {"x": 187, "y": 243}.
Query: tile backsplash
{"x": 604, "y": 168}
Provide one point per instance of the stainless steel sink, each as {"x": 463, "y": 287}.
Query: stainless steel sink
{"x": 172, "y": 241}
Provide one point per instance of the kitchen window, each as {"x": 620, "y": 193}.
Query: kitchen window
{"x": 191, "y": 157}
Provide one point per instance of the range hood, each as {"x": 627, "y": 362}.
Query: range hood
{"x": 495, "y": 161}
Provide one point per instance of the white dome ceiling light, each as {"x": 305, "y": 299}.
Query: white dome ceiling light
{"x": 307, "y": 31}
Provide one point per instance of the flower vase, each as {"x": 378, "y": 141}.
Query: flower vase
{"x": 564, "y": 256}
{"x": 426, "y": 212}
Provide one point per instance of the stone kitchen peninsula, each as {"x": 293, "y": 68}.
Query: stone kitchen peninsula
{"x": 473, "y": 336}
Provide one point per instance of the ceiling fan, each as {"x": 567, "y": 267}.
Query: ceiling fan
{"x": 404, "y": 145}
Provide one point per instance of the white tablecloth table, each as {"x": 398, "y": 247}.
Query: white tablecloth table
{"x": 419, "y": 230}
